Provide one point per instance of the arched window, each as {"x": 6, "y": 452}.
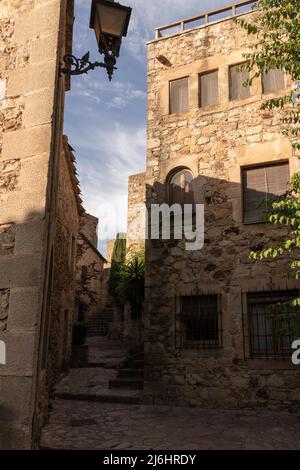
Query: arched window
{"x": 181, "y": 188}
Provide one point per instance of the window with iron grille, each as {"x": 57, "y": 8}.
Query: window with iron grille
{"x": 260, "y": 185}
{"x": 271, "y": 324}
{"x": 198, "y": 325}
{"x": 179, "y": 96}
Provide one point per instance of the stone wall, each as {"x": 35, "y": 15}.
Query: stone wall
{"x": 89, "y": 228}
{"x": 136, "y": 214}
{"x": 32, "y": 42}
{"x": 214, "y": 143}
{"x": 90, "y": 267}
{"x": 109, "y": 251}
{"x": 67, "y": 217}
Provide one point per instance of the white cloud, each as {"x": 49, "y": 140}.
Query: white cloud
{"x": 108, "y": 152}
{"x": 117, "y": 94}
{"x": 104, "y": 181}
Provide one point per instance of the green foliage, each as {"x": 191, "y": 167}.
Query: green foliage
{"x": 117, "y": 263}
{"x": 285, "y": 211}
{"x": 277, "y": 28}
{"x": 132, "y": 285}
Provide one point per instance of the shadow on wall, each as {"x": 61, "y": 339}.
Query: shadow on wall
{"x": 23, "y": 286}
{"x": 234, "y": 224}
{"x": 20, "y": 262}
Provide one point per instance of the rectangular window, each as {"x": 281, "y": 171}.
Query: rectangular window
{"x": 260, "y": 184}
{"x": 271, "y": 335}
{"x": 199, "y": 323}
{"x": 237, "y": 78}
{"x": 209, "y": 89}
{"x": 273, "y": 80}
{"x": 179, "y": 96}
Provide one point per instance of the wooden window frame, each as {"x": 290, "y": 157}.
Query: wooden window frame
{"x": 232, "y": 100}
{"x": 273, "y": 91}
{"x": 252, "y": 167}
{"x": 182, "y": 341}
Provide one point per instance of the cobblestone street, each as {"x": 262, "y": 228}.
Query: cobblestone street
{"x": 92, "y": 423}
{"x": 94, "y": 426}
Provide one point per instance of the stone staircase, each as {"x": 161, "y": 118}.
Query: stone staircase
{"x": 99, "y": 323}
{"x": 131, "y": 373}
{"x": 114, "y": 375}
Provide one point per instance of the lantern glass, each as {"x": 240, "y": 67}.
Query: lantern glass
{"x": 109, "y": 19}
{"x": 112, "y": 20}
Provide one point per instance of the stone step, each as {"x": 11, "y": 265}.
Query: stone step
{"x": 133, "y": 364}
{"x": 128, "y": 384}
{"x": 100, "y": 320}
{"x": 130, "y": 397}
{"x": 131, "y": 373}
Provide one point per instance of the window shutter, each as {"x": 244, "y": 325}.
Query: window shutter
{"x": 278, "y": 177}
{"x": 209, "y": 89}
{"x": 254, "y": 188}
{"x": 237, "y": 77}
{"x": 272, "y": 80}
{"x": 261, "y": 184}
{"x": 179, "y": 96}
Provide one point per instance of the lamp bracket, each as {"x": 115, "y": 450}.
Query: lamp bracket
{"x": 75, "y": 66}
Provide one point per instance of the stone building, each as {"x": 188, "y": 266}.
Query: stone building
{"x": 68, "y": 213}
{"x": 109, "y": 248}
{"x": 210, "y": 336}
{"x": 125, "y": 325}
{"x": 90, "y": 269}
{"x": 136, "y": 214}
{"x": 37, "y": 189}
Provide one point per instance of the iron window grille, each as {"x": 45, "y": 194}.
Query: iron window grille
{"x": 268, "y": 325}
{"x": 199, "y": 322}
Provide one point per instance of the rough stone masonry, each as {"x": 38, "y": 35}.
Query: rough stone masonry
{"x": 34, "y": 34}
{"x": 214, "y": 144}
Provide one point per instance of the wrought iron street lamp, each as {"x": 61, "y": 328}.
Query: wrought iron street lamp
{"x": 110, "y": 20}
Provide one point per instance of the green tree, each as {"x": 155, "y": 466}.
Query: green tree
{"x": 276, "y": 26}
{"x": 117, "y": 264}
{"x": 285, "y": 211}
{"x": 132, "y": 285}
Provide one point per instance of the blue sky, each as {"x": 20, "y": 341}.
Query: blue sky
{"x": 106, "y": 122}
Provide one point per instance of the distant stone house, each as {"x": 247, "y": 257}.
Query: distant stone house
{"x": 126, "y": 325}
{"x": 68, "y": 214}
{"x": 210, "y": 338}
{"x": 90, "y": 267}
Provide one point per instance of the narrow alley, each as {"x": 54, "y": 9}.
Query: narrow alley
{"x": 87, "y": 414}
